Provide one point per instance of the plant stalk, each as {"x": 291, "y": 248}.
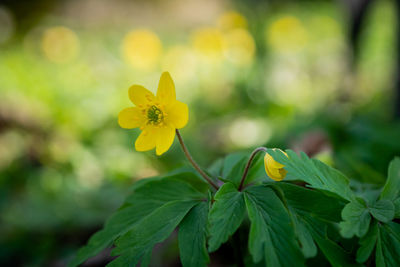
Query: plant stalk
{"x": 191, "y": 160}
{"x": 246, "y": 170}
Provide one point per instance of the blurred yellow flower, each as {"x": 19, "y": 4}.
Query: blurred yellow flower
{"x": 231, "y": 20}
{"x": 208, "y": 42}
{"x": 273, "y": 168}
{"x": 60, "y": 44}
{"x": 142, "y": 49}
{"x": 287, "y": 34}
{"x": 157, "y": 116}
{"x": 239, "y": 46}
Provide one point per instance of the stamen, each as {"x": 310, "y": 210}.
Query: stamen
{"x": 154, "y": 115}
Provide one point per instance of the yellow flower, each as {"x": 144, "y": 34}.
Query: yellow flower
{"x": 157, "y": 116}
{"x": 273, "y": 168}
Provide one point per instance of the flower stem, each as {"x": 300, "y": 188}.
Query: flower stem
{"x": 195, "y": 165}
{"x": 246, "y": 170}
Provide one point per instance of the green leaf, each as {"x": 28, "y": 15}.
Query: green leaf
{"x": 306, "y": 240}
{"x": 226, "y": 215}
{"x": 146, "y": 258}
{"x": 118, "y": 224}
{"x": 317, "y": 174}
{"x": 312, "y": 202}
{"x": 392, "y": 186}
{"x": 388, "y": 245}
{"x": 257, "y": 170}
{"x": 216, "y": 167}
{"x": 335, "y": 254}
{"x": 311, "y": 211}
{"x": 192, "y": 237}
{"x": 233, "y": 169}
{"x": 128, "y": 260}
{"x": 166, "y": 189}
{"x": 132, "y": 260}
{"x": 235, "y": 165}
{"x": 397, "y": 208}
{"x": 356, "y": 219}
{"x": 153, "y": 229}
{"x": 271, "y": 232}
{"x": 383, "y": 210}
{"x": 367, "y": 244}
{"x": 147, "y": 196}
{"x": 230, "y": 162}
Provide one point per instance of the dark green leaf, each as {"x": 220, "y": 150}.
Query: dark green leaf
{"x": 271, "y": 233}
{"x": 226, "y": 215}
{"x": 306, "y": 240}
{"x": 147, "y": 196}
{"x": 392, "y": 186}
{"x": 257, "y": 170}
{"x": 383, "y": 210}
{"x": 230, "y": 162}
{"x": 216, "y": 167}
{"x": 118, "y": 224}
{"x": 166, "y": 189}
{"x": 132, "y": 260}
{"x": 397, "y": 208}
{"x": 317, "y": 174}
{"x": 234, "y": 167}
{"x": 367, "y": 244}
{"x": 310, "y": 217}
{"x": 312, "y": 202}
{"x": 192, "y": 237}
{"x": 146, "y": 258}
{"x": 388, "y": 245}
{"x": 356, "y": 219}
{"x": 335, "y": 254}
{"x": 152, "y": 229}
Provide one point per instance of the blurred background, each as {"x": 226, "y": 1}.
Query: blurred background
{"x": 318, "y": 76}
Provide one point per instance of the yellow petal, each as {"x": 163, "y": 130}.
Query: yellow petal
{"x": 130, "y": 118}
{"x": 273, "y": 172}
{"x": 147, "y": 139}
{"x": 140, "y": 96}
{"x": 166, "y": 89}
{"x": 165, "y": 138}
{"x": 178, "y": 114}
{"x": 271, "y": 162}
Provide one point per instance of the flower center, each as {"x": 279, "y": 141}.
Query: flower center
{"x": 154, "y": 115}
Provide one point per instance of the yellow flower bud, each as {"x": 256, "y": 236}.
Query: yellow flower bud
{"x": 274, "y": 169}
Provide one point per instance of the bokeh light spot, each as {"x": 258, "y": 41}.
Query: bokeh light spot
{"x": 208, "y": 42}
{"x": 231, "y": 20}
{"x": 60, "y": 44}
{"x": 287, "y": 34}
{"x": 239, "y": 46}
{"x": 142, "y": 49}
{"x": 246, "y": 132}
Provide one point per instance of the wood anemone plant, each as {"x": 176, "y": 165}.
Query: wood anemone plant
{"x": 322, "y": 223}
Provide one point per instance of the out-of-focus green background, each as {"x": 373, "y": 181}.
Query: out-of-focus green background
{"x": 289, "y": 74}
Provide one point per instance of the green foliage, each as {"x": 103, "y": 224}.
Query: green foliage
{"x": 287, "y": 224}
{"x": 148, "y": 197}
{"x": 226, "y": 215}
{"x": 271, "y": 235}
{"x": 313, "y": 212}
{"x": 388, "y": 245}
{"x": 192, "y": 236}
{"x": 392, "y": 187}
{"x": 356, "y": 219}
{"x": 384, "y": 234}
{"x": 152, "y": 229}
{"x": 315, "y": 173}
{"x": 383, "y": 210}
